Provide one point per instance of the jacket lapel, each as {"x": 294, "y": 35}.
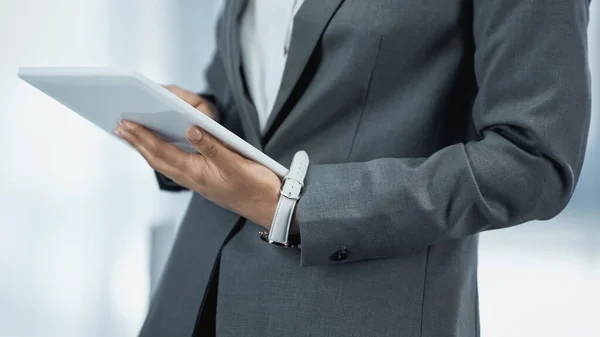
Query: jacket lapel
{"x": 309, "y": 23}
{"x": 232, "y": 57}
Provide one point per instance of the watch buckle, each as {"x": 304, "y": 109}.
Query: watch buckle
{"x": 291, "y": 194}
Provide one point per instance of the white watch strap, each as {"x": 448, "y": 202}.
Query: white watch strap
{"x": 291, "y": 190}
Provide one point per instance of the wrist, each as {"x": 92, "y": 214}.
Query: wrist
{"x": 262, "y": 210}
{"x": 266, "y": 214}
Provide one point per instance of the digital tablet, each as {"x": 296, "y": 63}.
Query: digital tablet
{"x": 104, "y": 96}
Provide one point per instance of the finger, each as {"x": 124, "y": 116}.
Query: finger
{"x": 210, "y": 147}
{"x": 200, "y": 103}
{"x": 160, "y": 155}
{"x": 203, "y": 105}
{"x": 188, "y": 96}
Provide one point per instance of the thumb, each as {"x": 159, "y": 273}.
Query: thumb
{"x": 207, "y": 145}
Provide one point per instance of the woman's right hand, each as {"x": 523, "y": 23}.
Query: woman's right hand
{"x": 201, "y": 104}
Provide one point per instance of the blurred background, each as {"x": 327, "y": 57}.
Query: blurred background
{"x": 84, "y": 229}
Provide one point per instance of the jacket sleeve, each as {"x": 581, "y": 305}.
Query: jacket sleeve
{"x": 532, "y": 112}
{"x": 218, "y": 92}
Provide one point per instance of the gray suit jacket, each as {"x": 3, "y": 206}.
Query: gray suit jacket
{"x": 426, "y": 122}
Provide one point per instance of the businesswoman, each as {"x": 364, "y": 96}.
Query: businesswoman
{"x": 425, "y": 123}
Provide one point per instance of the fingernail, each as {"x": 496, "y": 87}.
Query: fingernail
{"x": 124, "y": 124}
{"x": 195, "y": 135}
{"x": 117, "y": 132}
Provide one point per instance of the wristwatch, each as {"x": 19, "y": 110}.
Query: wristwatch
{"x": 290, "y": 193}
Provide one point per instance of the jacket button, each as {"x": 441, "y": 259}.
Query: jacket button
{"x": 340, "y": 255}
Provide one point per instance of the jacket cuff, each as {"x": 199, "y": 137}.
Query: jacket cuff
{"x": 323, "y": 240}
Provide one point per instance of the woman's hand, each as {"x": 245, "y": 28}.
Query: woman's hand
{"x": 201, "y": 104}
{"x": 216, "y": 172}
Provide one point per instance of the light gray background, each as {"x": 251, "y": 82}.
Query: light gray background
{"x": 78, "y": 262}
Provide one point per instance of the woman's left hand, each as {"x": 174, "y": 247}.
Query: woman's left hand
{"x": 216, "y": 172}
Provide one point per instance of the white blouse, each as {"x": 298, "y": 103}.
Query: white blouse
{"x": 265, "y": 32}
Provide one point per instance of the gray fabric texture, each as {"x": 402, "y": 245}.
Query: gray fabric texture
{"x": 426, "y": 122}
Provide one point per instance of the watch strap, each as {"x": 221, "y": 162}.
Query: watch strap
{"x": 290, "y": 193}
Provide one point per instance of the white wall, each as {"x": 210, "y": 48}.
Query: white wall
{"x": 75, "y": 205}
